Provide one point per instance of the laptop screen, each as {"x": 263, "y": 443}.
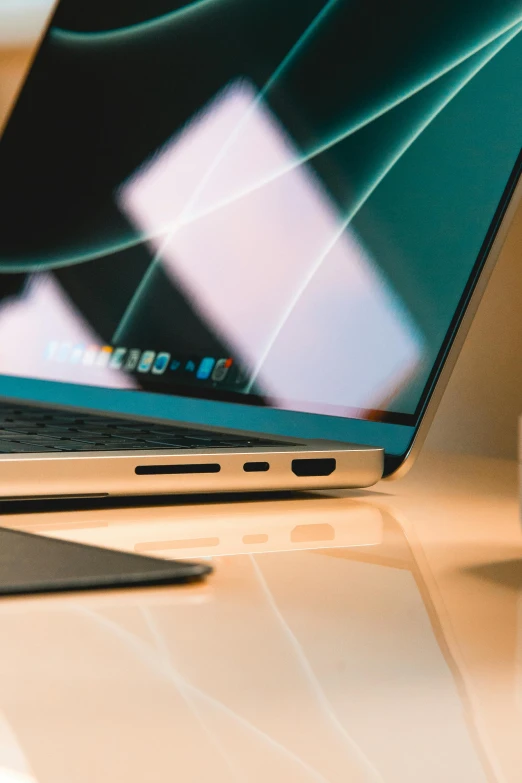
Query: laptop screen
{"x": 269, "y": 202}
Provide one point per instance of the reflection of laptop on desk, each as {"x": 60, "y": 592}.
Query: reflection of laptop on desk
{"x": 346, "y": 628}
{"x": 273, "y": 263}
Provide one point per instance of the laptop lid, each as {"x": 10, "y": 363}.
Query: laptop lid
{"x": 229, "y": 203}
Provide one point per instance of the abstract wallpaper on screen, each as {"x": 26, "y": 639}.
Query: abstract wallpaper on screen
{"x": 405, "y": 121}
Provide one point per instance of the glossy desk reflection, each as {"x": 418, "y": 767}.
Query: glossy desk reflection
{"x": 355, "y": 638}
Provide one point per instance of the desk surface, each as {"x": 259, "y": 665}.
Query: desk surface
{"x": 344, "y": 637}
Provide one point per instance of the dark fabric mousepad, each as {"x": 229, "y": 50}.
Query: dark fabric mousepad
{"x": 32, "y": 563}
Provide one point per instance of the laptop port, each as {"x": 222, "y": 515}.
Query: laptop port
{"x": 256, "y": 467}
{"x": 314, "y": 467}
{"x": 176, "y": 470}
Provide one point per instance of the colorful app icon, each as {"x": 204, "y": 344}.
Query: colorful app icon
{"x": 132, "y": 359}
{"x": 90, "y": 354}
{"x": 146, "y": 361}
{"x": 116, "y": 362}
{"x": 63, "y": 353}
{"x": 161, "y": 363}
{"x": 242, "y": 376}
{"x": 77, "y": 354}
{"x": 221, "y": 369}
{"x": 205, "y": 368}
{"x": 104, "y": 355}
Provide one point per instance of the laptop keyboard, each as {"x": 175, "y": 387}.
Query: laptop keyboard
{"x": 37, "y": 430}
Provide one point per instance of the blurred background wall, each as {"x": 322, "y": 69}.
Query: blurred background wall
{"x": 21, "y": 22}
{"x": 480, "y": 408}
{"x": 481, "y": 405}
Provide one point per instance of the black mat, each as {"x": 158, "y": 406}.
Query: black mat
{"x": 37, "y": 564}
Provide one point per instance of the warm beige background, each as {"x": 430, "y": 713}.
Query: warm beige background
{"x": 481, "y": 405}
{"x": 13, "y": 64}
{"x": 480, "y": 408}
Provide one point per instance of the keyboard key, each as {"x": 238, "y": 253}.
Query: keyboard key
{"x": 172, "y": 444}
{"x": 33, "y": 430}
{"x": 24, "y": 448}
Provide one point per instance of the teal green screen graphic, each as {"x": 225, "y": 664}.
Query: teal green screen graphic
{"x": 281, "y": 203}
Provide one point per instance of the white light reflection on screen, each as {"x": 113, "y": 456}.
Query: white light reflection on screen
{"x": 339, "y": 336}
{"x": 33, "y": 321}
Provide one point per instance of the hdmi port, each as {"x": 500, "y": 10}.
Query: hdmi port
{"x": 314, "y": 467}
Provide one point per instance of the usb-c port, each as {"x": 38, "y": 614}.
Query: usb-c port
{"x": 256, "y": 467}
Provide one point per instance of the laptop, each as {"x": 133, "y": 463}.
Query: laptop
{"x": 240, "y": 248}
